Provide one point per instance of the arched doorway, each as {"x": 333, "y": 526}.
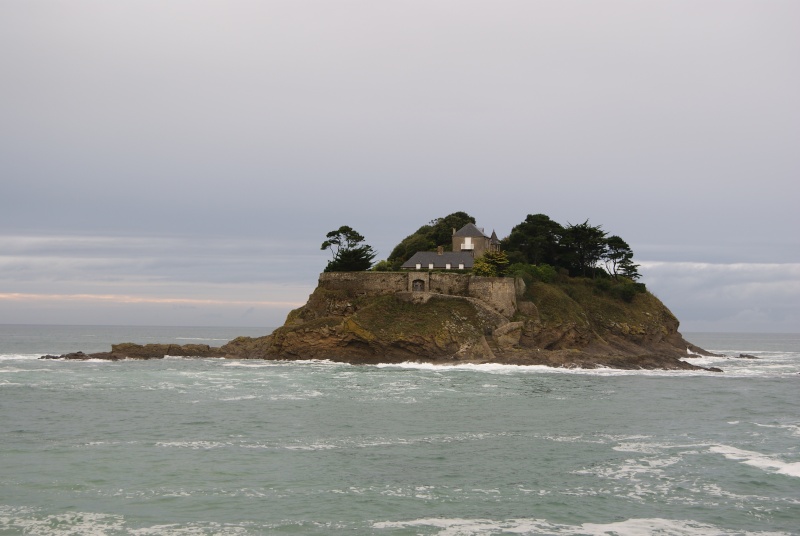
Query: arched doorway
{"x": 418, "y": 285}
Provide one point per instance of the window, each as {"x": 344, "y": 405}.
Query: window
{"x": 419, "y": 266}
{"x": 430, "y": 266}
{"x": 447, "y": 266}
{"x": 461, "y": 266}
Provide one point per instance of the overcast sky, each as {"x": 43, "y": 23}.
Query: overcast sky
{"x": 180, "y": 162}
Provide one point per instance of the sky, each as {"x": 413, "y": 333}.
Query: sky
{"x": 180, "y": 163}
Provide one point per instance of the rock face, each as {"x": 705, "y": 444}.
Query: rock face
{"x": 378, "y": 317}
{"x": 129, "y": 350}
{"x": 449, "y": 318}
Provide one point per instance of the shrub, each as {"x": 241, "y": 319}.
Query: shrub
{"x": 545, "y": 273}
{"x": 627, "y": 291}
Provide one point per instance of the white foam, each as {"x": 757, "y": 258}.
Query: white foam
{"x": 496, "y": 368}
{"x": 756, "y": 459}
{"x": 194, "y": 445}
{"x": 646, "y": 527}
{"x": 371, "y": 442}
{"x": 630, "y": 527}
{"x": 644, "y": 448}
{"x": 795, "y": 428}
{"x": 15, "y": 369}
{"x": 258, "y": 364}
{"x": 19, "y": 357}
{"x": 24, "y": 520}
{"x": 191, "y": 529}
{"x": 236, "y": 398}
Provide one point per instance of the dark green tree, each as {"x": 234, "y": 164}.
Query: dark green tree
{"x": 583, "y": 246}
{"x": 441, "y": 232}
{"x": 349, "y": 252}
{"x": 618, "y": 259}
{"x": 535, "y": 240}
{"x": 616, "y": 254}
{"x": 630, "y": 270}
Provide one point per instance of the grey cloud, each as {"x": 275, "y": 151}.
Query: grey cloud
{"x": 232, "y": 136}
{"x": 728, "y": 297}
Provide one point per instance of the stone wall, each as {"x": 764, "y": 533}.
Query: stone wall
{"x": 497, "y": 292}
{"x": 452, "y": 284}
{"x": 365, "y": 283}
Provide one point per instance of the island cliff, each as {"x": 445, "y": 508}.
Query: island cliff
{"x": 448, "y": 318}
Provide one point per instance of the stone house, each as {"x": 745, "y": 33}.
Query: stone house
{"x": 471, "y": 239}
{"x": 469, "y": 243}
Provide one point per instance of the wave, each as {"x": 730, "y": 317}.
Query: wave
{"x": 28, "y": 520}
{"x": 496, "y": 368}
{"x": 629, "y": 527}
{"x": 19, "y": 357}
{"x": 764, "y": 462}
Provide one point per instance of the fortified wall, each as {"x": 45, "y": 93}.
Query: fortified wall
{"x": 500, "y": 293}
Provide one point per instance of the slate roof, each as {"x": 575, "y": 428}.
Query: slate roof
{"x": 470, "y": 230}
{"x": 454, "y": 258}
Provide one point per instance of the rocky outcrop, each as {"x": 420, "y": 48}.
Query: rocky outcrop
{"x": 129, "y": 350}
{"x": 373, "y": 317}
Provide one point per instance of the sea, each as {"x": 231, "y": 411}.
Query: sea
{"x": 213, "y": 446}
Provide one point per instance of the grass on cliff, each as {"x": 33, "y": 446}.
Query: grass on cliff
{"x": 597, "y": 303}
{"x": 392, "y": 318}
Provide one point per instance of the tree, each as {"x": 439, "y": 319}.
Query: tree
{"x": 484, "y": 269}
{"x": 441, "y": 232}
{"x": 630, "y": 270}
{"x": 498, "y": 259}
{"x": 535, "y": 240}
{"x": 349, "y": 254}
{"x": 617, "y": 252}
{"x": 382, "y": 266}
{"x": 583, "y": 247}
{"x": 618, "y": 258}
{"x": 491, "y": 264}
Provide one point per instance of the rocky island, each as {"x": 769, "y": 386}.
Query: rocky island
{"x": 462, "y": 303}
{"x": 446, "y": 318}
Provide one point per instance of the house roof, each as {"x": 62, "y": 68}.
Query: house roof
{"x": 470, "y": 230}
{"x": 440, "y": 261}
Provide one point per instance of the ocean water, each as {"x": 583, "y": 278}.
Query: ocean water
{"x": 212, "y": 446}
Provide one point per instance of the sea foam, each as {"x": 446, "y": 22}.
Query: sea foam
{"x": 756, "y": 459}
{"x": 629, "y": 527}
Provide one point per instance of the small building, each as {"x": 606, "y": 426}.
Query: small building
{"x": 471, "y": 239}
{"x": 469, "y": 243}
{"x": 439, "y": 260}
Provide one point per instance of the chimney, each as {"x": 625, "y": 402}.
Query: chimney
{"x": 440, "y": 250}
{"x": 454, "y": 231}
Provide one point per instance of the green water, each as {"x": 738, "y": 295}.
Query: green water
{"x": 240, "y": 447}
